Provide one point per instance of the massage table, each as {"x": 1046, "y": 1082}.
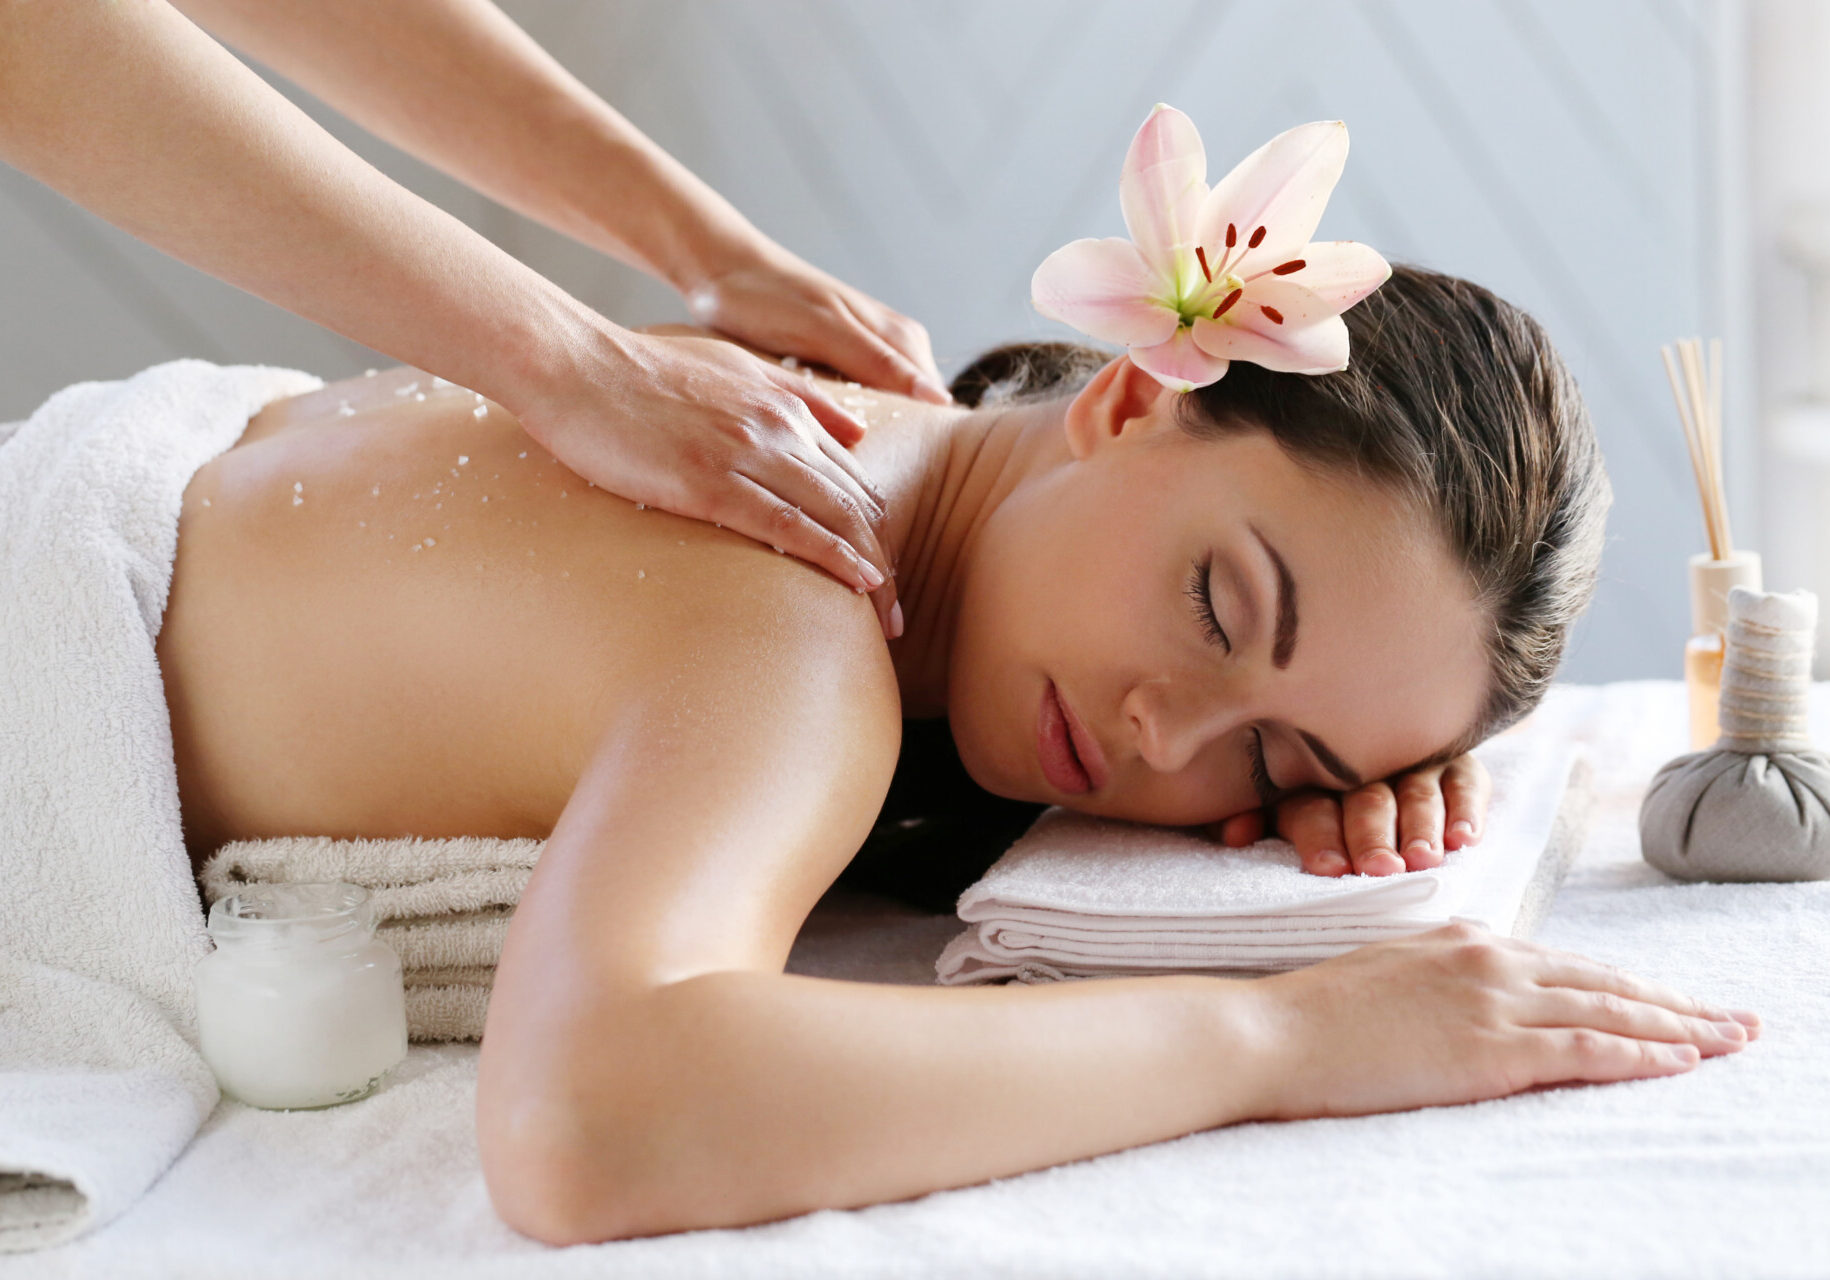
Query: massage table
{"x": 1724, "y": 1171}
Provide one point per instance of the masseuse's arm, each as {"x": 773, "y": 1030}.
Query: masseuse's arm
{"x": 458, "y": 84}
{"x": 647, "y": 1067}
{"x": 132, "y": 111}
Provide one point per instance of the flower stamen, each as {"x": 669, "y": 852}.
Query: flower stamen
{"x": 1272, "y": 314}
{"x": 1231, "y": 298}
{"x": 1295, "y": 264}
{"x": 1256, "y": 240}
{"x": 1201, "y": 256}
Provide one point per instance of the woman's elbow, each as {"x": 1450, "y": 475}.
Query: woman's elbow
{"x": 547, "y": 1194}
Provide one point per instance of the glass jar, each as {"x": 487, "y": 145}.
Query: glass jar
{"x": 300, "y": 1005}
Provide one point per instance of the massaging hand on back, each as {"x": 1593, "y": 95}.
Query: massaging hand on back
{"x": 1405, "y": 823}
{"x": 133, "y": 112}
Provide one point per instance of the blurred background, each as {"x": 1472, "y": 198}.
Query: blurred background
{"x": 1629, "y": 171}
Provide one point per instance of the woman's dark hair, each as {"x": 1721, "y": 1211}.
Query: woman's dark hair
{"x": 1455, "y": 400}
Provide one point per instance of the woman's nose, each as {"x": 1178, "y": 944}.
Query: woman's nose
{"x": 1173, "y": 723}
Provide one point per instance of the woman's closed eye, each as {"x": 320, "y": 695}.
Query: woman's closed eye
{"x": 1200, "y": 593}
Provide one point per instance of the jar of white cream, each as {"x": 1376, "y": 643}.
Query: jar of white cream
{"x": 300, "y": 1005}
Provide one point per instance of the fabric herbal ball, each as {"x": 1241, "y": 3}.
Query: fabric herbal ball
{"x": 1756, "y": 806}
{"x": 1722, "y": 815}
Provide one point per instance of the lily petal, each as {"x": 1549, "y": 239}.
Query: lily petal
{"x": 1162, "y": 187}
{"x": 1314, "y": 348}
{"x": 1103, "y": 288}
{"x": 1283, "y": 187}
{"x": 1334, "y": 275}
{"x": 1179, "y": 364}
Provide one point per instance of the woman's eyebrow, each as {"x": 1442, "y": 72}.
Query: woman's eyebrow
{"x": 1283, "y": 648}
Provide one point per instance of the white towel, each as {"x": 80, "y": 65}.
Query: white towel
{"x": 442, "y": 904}
{"x": 101, "y": 1082}
{"x": 1080, "y": 896}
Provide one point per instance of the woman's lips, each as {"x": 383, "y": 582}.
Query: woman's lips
{"x": 1070, "y": 757}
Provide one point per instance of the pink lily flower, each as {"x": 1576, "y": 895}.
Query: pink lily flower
{"x": 1213, "y": 276}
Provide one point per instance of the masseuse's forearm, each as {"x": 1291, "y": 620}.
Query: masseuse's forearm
{"x": 131, "y": 110}
{"x": 458, "y": 84}
{"x": 738, "y": 1097}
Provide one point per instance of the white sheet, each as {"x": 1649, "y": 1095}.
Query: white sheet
{"x": 1721, "y": 1172}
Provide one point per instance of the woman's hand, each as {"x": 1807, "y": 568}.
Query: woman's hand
{"x": 702, "y": 428}
{"x": 777, "y": 302}
{"x": 1460, "y": 1014}
{"x": 1404, "y": 824}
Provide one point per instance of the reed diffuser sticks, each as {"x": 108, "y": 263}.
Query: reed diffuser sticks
{"x": 1698, "y": 394}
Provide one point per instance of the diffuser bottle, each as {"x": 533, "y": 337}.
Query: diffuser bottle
{"x": 1710, "y": 581}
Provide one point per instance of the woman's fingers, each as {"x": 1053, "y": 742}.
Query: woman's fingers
{"x": 1421, "y": 811}
{"x": 1599, "y": 1057}
{"x": 1563, "y": 1007}
{"x": 1369, "y": 817}
{"x": 1311, "y": 820}
{"x": 1239, "y": 830}
{"x": 1466, "y": 786}
{"x": 1563, "y": 969}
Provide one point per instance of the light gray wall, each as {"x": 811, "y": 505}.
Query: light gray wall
{"x": 1583, "y": 160}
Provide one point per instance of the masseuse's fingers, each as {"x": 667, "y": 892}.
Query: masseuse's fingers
{"x": 781, "y": 304}
{"x": 1466, "y": 786}
{"x": 839, "y": 424}
{"x": 1420, "y": 817}
{"x": 1369, "y": 816}
{"x": 796, "y": 507}
{"x": 878, "y": 347}
{"x": 1311, "y": 820}
{"x": 824, "y": 523}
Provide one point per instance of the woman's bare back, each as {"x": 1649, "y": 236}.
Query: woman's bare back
{"x": 406, "y": 618}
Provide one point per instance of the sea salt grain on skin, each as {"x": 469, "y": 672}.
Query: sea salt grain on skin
{"x": 482, "y": 411}
{"x": 522, "y": 454}
{"x": 431, "y": 542}
{"x": 407, "y": 390}
{"x": 344, "y": 411}
{"x": 206, "y": 502}
{"x": 463, "y": 459}
{"x": 375, "y": 492}
{"x": 368, "y": 373}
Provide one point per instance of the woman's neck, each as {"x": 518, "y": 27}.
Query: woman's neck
{"x": 942, "y": 473}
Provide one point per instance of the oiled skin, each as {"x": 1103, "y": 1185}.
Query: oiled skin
{"x": 391, "y": 654}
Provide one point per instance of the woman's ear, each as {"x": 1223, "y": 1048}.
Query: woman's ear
{"x": 1121, "y": 401}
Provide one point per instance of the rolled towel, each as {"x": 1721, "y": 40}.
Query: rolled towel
{"x": 442, "y": 904}
{"x": 1081, "y": 897}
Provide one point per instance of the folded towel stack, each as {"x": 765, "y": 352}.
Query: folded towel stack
{"x": 443, "y": 905}
{"x": 1082, "y": 897}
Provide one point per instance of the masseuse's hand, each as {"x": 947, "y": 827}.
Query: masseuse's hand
{"x": 702, "y": 428}
{"x": 1404, "y": 824}
{"x": 773, "y": 300}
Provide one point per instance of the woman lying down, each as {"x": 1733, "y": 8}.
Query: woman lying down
{"x": 399, "y": 615}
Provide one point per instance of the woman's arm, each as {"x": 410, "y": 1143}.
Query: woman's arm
{"x": 648, "y": 1068}
{"x": 130, "y": 110}
{"x": 461, "y": 86}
